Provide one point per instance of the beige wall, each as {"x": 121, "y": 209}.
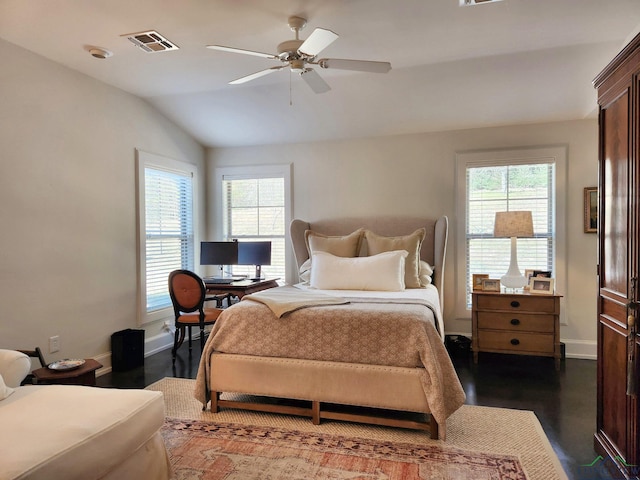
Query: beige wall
{"x": 415, "y": 175}
{"x": 68, "y": 204}
{"x": 68, "y": 249}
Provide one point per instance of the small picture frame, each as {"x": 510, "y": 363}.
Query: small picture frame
{"x": 541, "y": 286}
{"x": 591, "y": 210}
{"x": 528, "y": 273}
{"x": 541, "y": 274}
{"x": 477, "y": 281}
{"x": 490, "y": 285}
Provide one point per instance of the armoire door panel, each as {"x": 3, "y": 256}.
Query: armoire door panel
{"x": 613, "y": 387}
{"x": 615, "y": 189}
{"x": 618, "y": 428}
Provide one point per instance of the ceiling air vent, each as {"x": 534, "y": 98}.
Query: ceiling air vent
{"x": 151, "y": 41}
{"x": 466, "y": 3}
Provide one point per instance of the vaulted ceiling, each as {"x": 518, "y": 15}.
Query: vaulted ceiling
{"x": 453, "y": 67}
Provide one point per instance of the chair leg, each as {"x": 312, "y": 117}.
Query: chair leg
{"x": 189, "y": 327}
{"x": 178, "y": 339}
{"x": 201, "y": 338}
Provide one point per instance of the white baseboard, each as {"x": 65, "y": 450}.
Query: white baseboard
{"x": 584, "y": 349}
{"x": 155, "y": 344}
{"x": 581, "y": 349}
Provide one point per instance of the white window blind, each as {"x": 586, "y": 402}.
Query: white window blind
{"x": 169, "y": 231}
{"x": 255, "y": 210}
{"x": 506, "y": 187}
{"x": 167, "y": 206}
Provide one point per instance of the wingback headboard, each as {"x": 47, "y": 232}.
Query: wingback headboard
{"x": 434, "y": 246}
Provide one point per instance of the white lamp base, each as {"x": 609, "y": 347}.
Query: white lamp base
{"x": 513, "y": 278}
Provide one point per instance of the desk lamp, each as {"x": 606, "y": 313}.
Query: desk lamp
{"x": 512, "y": 225}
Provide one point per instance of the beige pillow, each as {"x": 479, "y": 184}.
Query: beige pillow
{"x": 383, "y": 272}
{"x": 411, "y": 243}
{"x": 345, "y": 246}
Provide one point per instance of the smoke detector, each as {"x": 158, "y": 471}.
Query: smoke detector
{"x": 151, "y": 41}
{"x": 467, "y": 3}
{"x": 100, "y": 53}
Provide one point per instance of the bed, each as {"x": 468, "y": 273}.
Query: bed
{"x": 372, "y": 345}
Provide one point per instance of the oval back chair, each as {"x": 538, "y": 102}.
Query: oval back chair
{"x": 188, "y": 295}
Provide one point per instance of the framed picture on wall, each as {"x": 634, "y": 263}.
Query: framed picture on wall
{"x": 591, "y": 210}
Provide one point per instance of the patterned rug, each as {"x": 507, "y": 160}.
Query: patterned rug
{"x": 482, "y": 443}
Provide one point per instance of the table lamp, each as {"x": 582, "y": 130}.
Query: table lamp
{"x": 512, "y": 225}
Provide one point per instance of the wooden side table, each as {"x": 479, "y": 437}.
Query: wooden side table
{"x": 521, "y": 324}
{"x": 83, "y": 375}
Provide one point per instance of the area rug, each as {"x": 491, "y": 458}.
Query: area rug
{"x": 481, "y": 443}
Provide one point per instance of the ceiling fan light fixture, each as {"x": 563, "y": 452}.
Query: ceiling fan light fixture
{"x": 297, "y": 66}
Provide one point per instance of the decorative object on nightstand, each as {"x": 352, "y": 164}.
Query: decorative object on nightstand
{"x": 516, "y": 323}
{"x": 514, "y": 225}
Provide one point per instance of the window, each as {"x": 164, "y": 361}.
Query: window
{"x": 167, "y": 238}
{"x": 492, "y": 182}
{"x": 255, "y": 208}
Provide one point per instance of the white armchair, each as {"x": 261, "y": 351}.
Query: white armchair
{"x": 68, "y": 432}
{"x": 14, "y": 366}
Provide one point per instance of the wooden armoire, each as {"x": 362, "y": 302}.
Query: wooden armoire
{"x": 618, "y": 416}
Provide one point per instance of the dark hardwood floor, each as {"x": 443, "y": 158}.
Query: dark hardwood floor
{"x": 564, "y": 401}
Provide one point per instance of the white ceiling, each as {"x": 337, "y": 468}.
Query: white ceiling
{"x": 514, "y": 61}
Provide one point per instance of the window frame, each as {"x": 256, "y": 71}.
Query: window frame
{"x": 518, "y": 156}
{"x": 255, "y": 172}
{"x": 149, "y": 160}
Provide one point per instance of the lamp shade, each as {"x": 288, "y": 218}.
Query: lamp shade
{"x": 513, "y": 224}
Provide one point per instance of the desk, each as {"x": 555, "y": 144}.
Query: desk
{"x": 83, "y": 375}
{"x": 240, "y": 288}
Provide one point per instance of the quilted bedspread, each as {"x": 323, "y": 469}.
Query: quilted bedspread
{"x": 362, "y": 331}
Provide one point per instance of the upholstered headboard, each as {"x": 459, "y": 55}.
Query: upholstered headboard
{"x": 434, "y": 246}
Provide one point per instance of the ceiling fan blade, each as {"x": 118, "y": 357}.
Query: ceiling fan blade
{"x": 222, "y": 48}
{"x": 315, "y": 81}
{"x": 319, "y": 39}
{"x": 357, "y": 65}
{"x": 259, "y": 74}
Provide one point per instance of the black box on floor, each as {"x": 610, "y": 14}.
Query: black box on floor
{"x": 458, "y": 345}
{"x": 127, "y": 350}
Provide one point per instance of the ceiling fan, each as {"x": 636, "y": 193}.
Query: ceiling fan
{"x": 298, "y": 55}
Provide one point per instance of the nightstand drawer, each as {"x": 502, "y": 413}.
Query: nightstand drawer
{"x": 517, "y": 303}
{"x": 516, "y": 322}
{"x": 516, "y": 342}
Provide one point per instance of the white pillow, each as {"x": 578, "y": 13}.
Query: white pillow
{"x": 4, "y": 390}
{"x": 382, "y": 272}
{"x": 304, "y": 274}
{"x": 426, "y": 273}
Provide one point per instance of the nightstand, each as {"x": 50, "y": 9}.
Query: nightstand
{"x": 516, "y": 323}
{"x": 83, "y": 375}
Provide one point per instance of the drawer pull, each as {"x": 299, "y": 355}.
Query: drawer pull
{"x": 515, "y": 341}
{"x": 515, "y": 321}
{"x": 515, "y": 304}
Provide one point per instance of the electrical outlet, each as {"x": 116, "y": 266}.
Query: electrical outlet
{"x": 54, "y": 344}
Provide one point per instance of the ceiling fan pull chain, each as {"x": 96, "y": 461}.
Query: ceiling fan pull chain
{"x": 290, "y": 93}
